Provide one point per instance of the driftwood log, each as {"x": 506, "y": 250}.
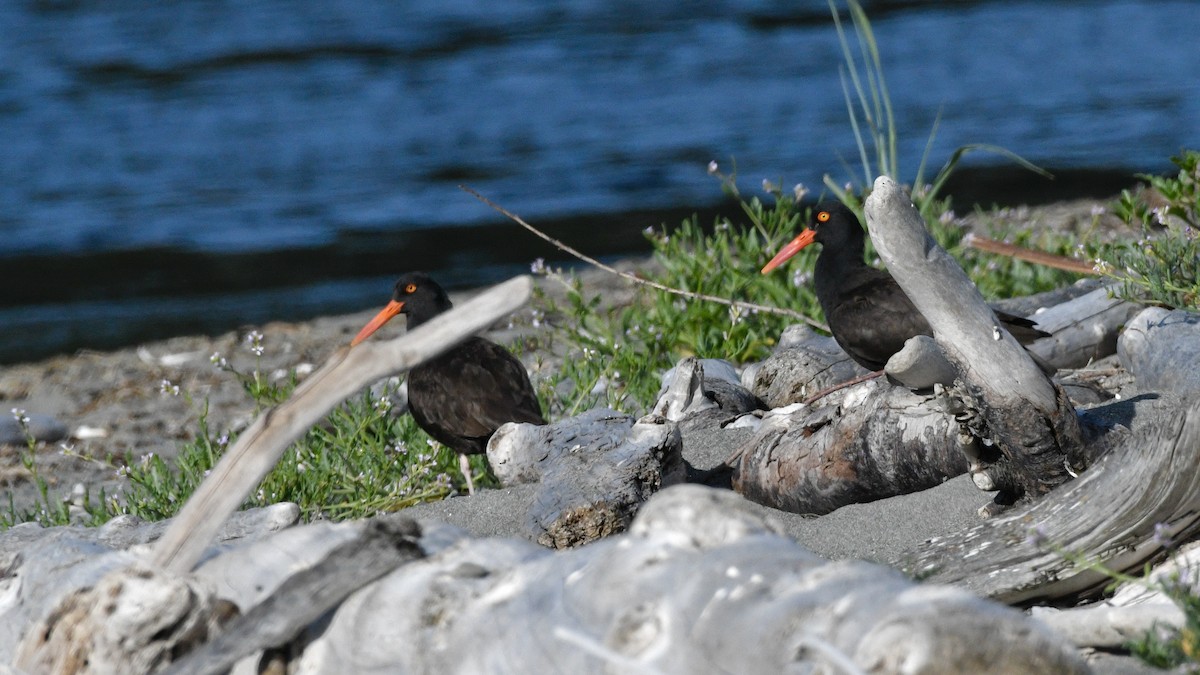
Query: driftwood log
{"x": 593, "y": 471}
{"x": 1083, "y": 329}
{"x": 865, "y": 442}
{"x": 1025, "y": 434}
{"x": 1120, "y": 513}
{"x": 699, "y": 584}
{"x": 702, "y": 582}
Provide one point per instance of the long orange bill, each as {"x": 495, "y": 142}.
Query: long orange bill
{"x": 393, "y": 308}
{"x": 805, "y": 238}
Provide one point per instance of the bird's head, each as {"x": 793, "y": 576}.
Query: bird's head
{"x": 831, "y": 224}
{"x": 417, "y": 296}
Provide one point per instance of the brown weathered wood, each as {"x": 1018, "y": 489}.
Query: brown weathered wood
{"x": 345, "y": 372}
{"x": 867, "y": 442}
{"x": 1118, "y": 513}
{"x": 1006, "y": 399}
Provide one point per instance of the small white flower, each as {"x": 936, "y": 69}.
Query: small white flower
{"x": 538, "y": 267}
{"x": 254, "y": 342}
{"x": 799, "y": 190}
{"x": 713, "y": 167}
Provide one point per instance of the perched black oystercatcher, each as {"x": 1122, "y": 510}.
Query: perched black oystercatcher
{"x": 461, "y": 397}
{"x": 867, "y": 312}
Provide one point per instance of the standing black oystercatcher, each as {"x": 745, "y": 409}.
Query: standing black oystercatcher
{"x": 461, "y": 397}
{"x": 867, "y": 311}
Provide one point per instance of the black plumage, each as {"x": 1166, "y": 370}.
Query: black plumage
{"x": 462, "y": 396}
{"x": 867, "y": 311}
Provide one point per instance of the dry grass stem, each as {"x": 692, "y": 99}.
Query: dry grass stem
{"x": 639, "y": 280}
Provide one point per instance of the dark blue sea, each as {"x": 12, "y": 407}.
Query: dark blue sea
{"x": 174, "y": 167}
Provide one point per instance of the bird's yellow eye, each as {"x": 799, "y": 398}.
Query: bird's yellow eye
{"x": 823, "y": 217}
{"x": 411, "y": 288}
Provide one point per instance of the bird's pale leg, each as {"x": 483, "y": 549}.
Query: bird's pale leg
{"x": 464, "y": 465}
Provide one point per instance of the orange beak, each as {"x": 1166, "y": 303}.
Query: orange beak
{"x": 393, "y": 308}
{"x": 805, "y": 238}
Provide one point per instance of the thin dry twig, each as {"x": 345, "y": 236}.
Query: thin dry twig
{"x": 1028, "y": 254}
{"x": 639, "y": 280}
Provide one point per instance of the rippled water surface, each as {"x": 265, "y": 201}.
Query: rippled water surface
{"x": 181, "y": 166}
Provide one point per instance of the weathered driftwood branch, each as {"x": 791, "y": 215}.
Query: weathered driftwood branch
{"x": 1007, "y": 400}
{"x": 1119, "y": 512}
{"x": 867, "y": 442}
{"x": 1082, "y": 329}
{"x": 345, "y": 372}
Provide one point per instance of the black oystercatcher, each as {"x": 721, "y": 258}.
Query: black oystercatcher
{"x": 867, "y": 312}
{"x": 461, "y": 397}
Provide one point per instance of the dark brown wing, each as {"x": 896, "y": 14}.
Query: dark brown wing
{"x": 464, "y": 395}
{"x": 1024, "y": 330}
{"x": 872, "y": 320}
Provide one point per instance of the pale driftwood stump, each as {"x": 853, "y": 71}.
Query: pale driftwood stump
{"x": 1028, "y": 437}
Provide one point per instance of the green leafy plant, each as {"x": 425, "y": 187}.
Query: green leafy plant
{"x": 361, "y": 460}
{"x": 48, "y": 511}
{"x": 1163, "y": 266}
{"x": 615, "y": 358}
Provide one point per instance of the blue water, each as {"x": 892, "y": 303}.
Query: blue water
{"x": 260, "y": 126}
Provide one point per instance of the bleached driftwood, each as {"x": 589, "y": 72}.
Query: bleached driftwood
{"x": 378, "y": 547}
{"x": 700, "y": 583}
{"x": 1162, "y": 348}
{"x": 1083, "y": 329}
{"x": 1117, "y": 512}
{"x": 345, "y": 372}
{"x": 1006, "y": 399}
{"x": 135, "y": 620}
{"x": 1134, "y": 609}
{"x": 594, "y": 471}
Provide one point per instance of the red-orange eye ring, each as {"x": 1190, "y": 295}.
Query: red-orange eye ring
{"x": 823, "y": 217}
{"x": 411, "y": 288}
